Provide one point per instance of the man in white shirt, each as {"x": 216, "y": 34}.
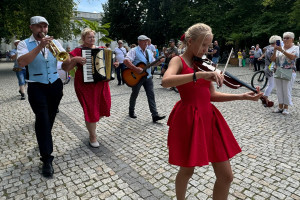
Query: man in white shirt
{"x": 120, "y": 52}
{"x": 44, "y": 86}
{"x": 135, "y": 56}
{"x": 151, "y": 47}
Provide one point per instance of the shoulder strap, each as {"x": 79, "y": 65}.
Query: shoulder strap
{"x": 147, "y": 56}
{"x": 122, "y": 51}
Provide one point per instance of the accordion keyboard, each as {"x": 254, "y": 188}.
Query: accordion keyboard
{"x": 88, "y": 67}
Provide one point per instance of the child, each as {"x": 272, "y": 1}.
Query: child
{"x": 198, "y": 134}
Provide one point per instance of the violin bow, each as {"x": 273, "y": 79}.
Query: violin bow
{"x": 227, "y": 61}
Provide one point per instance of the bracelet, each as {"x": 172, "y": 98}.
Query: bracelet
{"x": 194, "y": 77}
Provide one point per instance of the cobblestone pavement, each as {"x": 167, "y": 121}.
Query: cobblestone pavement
{"x": 132, "y": 162}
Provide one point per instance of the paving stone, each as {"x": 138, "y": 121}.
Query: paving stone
{"x": 132, "y": 161}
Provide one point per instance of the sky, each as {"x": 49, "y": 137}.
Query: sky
{"x": 90, "y": 5}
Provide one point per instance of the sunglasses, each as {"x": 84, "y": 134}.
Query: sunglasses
{"x": 286, "y": 38}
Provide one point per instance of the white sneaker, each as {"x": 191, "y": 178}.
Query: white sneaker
{"x": 285, "y": 112}
{"x": 278, "y": 110}
{"x": 94, "y": 144}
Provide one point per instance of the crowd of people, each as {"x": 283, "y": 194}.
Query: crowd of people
{"x": 198, "y": 133}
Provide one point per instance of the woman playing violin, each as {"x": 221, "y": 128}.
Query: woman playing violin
{"x": 198, "y": 133}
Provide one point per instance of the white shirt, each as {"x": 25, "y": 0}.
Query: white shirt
{"x": 131, "y": 54}
{"x": 151, "y": 47}
{"x": 120, "y": 54}
{"x": 285, "y": 62}
{"x": 22, "y": 47}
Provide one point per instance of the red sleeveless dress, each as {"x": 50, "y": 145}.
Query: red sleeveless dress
{"x": 94, "y": 98}
{"x": 198, "y": 133}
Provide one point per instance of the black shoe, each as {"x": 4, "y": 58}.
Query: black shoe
{"x": 119, "y": 83}
{"x": 47, "y": 170}
{"x": 175, "y": 89}
{"x": 156, "y": 118}
{"x": 22, "y": 96}
{"x": 132, "y": 115}
{"x": 20, "y": 92}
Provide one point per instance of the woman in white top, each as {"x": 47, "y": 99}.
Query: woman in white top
{"x": 285, "y": 57}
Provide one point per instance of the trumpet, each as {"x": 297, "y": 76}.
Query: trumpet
{"x": 60, "y": 55}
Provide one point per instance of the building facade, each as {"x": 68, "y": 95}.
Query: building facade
{"x": 74, "y": 42}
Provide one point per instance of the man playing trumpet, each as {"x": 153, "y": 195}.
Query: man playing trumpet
{"x": 45, "y": 89}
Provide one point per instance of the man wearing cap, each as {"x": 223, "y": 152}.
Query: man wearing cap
{"x": 20, "y": 71}
{"x": 44, "y": 86}
{"x": 134, "y": 56}
{"x": 171, "y": 52}
{"x": 120, "y": 52}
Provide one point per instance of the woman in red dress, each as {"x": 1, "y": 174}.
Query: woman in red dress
{"x": 94, "y": 98}
{"x": 198, "y": 133}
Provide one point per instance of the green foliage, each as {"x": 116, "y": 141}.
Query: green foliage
{"x": 126, "y": 19}
{"x": 234, "y": 22}
{"x": 294, "y": 17}
{"x": 94, "y": 25}
{"x": 15, "y": 16}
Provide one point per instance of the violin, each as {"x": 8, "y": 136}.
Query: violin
{"x": 230, "y": 81}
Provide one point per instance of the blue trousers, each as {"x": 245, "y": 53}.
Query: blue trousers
{"x": 44, "y": 100}
{"x": 21, "y": 76}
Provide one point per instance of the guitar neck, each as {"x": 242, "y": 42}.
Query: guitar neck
{"x": 154, "y": 62}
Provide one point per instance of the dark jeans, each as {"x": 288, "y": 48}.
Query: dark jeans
{"x": 256, "y": 63}
{"x": 148, "y": 86}
{"x": 119, "y": 71}
{"x": 44, "y": 100}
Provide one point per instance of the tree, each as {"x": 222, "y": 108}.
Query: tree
{"x": 94, "y": 25}
{"x": 15, "y": 16}
{"x": 239, "y": 22}
{"x": 295, "y": 16}
{"x": 124, "y": 18}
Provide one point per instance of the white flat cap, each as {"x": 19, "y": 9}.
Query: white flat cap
{"x": 143, "y": 37}
{"x": 37, "y": 20}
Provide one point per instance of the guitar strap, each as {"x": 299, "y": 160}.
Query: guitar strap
{"x": 147, "y": 57}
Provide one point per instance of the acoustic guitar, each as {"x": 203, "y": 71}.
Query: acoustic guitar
{"x": 132, "y": 78}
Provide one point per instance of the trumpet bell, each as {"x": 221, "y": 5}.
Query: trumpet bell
{"x": 62, "y": 56}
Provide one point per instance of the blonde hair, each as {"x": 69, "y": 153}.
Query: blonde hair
{"x": 84, "y": 32}
{"x": 196, "y": 31}
{"x": 273, "y": 39}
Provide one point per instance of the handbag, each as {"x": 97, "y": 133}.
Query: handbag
{"x": 282, "y": 73}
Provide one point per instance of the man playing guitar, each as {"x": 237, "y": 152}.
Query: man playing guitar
{"x": 135, "y": 56}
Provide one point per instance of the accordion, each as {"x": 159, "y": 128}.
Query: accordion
{"x": 99, "y": 65}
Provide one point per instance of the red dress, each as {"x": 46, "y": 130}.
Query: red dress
{"x": 198, "y": 133}
{"x": 94, "y": 98}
